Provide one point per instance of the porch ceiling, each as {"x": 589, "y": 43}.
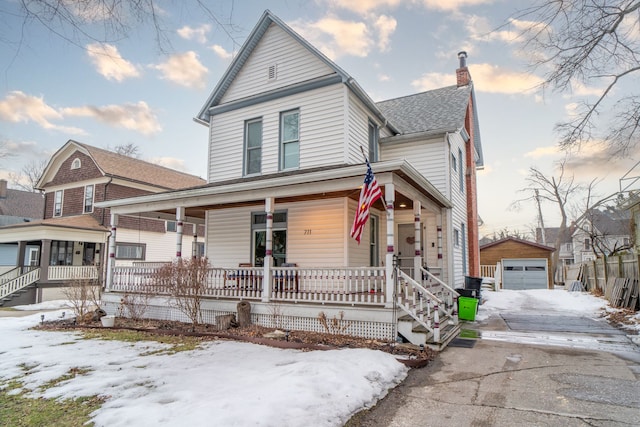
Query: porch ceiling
{"x": 320, "y": 183}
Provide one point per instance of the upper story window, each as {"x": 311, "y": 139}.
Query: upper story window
{"x": 289, "y": 139}
{"x": 460, "y": 171}
{"x": 374, "y": 134}
{"x": 57, "y": 203}
{"x": 456, "y": 237}
{"x": 454, "y": 162}
{"x": 587, "y": 244}
{"x": 253, "y": 146}
{"x": 76, "y": 164}
{"x": 88, "y": 199}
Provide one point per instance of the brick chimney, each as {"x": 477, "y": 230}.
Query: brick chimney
{"x": 462, "y": 73}
{"x": 3, "y": 188}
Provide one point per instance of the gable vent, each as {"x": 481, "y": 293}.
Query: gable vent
{"x": 273, "y": 72}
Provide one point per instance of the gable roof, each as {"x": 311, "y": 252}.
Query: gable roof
{"x": 608, "y": 225}
{"x": 436, "y": 111}
{"x": 128, "y": 168}
{"x": 516, "y": 240}
{"x": 247, "y": 49}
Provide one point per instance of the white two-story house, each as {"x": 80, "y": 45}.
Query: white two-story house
{"x": 288, "y": 132}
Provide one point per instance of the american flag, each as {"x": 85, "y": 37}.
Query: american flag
{"x": 369, "y": 193}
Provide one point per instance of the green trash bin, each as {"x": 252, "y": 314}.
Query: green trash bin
{"x": 467, "y": 308}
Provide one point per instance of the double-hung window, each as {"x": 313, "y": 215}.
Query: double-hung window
{"x": 373, "y": 142}
{"x": 253, "y": 146}
{"x": 88, "y": 198}
{"x": 460, "y": 171}
{"x": 57, "y": 203}
{"x": 289, "y": 139}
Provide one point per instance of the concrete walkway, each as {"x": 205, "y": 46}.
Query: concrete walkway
{"x": 542, "y": 370}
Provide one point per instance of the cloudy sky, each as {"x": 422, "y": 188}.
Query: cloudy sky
{"x": 134, "y": 89}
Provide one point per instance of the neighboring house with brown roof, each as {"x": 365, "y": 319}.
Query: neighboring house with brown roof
{"x": 16, "y": 207}
{"x": 69, "y": 238}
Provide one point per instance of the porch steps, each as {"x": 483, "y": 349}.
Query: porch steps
{"x": 15, "y": 294}
{"x": 417, "y": 334}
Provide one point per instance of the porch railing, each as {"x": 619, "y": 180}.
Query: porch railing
{"x": 72, "y": 272}
{"x": 428, "y": 303}
{"x": 10, "y": 275}
{"x": 316, "y": 285}
{"x": 20, "y": 282}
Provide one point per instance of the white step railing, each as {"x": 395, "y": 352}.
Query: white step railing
{"x": 419, "y": 303}
{"x": 349, "y": 285}
{"x": 444, "y": 292}
{"x": 73, "y": 272}
{"x": 19, "y": 282}
{"x": 10, "y": 275}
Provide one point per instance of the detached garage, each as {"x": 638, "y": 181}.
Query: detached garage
{"x": 525, "y": 265}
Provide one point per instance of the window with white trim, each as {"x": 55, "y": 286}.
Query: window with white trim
{"x": 57, "y": 203}
{"x": 131, "y": 251}
{"x": 374, "y": 135}
{"x": 454, "y": 162}
{"x": 76, "y": 164}
{"x": 88, "y": 198}
{"x": 290, "y": 139}
{"x": 460, "y": 171}
{"x": 456, "y": 237}
{"x": 253, "y": 146}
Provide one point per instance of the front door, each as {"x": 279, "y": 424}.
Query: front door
{"x": 88, "y": 256}
{"x": 34, "y": 257}
{"x": 406, "y": 247}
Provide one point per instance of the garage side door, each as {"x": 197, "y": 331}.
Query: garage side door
{"x": 524, "y": 273}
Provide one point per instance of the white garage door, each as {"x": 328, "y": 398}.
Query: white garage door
{"x": 524, "y": 273}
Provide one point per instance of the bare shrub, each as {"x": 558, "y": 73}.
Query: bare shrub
{"x": 277, "y": 313}
{"x": 336, "y": 325}
{"x": 83, "y": 295}
{"x": 134, "y": 306}
{"x": 186, "y": 283}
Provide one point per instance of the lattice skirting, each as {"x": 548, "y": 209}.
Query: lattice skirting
{"x": 360, "y": 328}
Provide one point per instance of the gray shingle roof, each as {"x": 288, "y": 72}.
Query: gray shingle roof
{"x": 438, "y": 110}
{"x": 20, "y": 205}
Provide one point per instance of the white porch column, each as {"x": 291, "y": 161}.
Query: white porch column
{"x": 194, "y": 245}
{"x": 111, "y": 262}
{"x": 179, "y": 231}
{"x": 389, "y": 194}
{"x": 268, "y": 252}
{"x": 417, "y": 257}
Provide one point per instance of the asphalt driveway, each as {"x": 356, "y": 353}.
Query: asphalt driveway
{"x": 525, "y": 368}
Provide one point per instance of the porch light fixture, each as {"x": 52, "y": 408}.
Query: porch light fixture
{"x": 403, "y": 205}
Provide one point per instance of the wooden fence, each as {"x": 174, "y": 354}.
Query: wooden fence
{"x": 617, "y": 278}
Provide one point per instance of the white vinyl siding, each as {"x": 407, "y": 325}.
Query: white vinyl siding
{"x": 459, "y": 210}
{"x": 321, "y": 133}
{"x": 294, "y": 64}
{"x": 359, "y": 254}
{"x": 429, "y": 157}
{"x": 229, "y": 235}
{"x": 358, "y": 130}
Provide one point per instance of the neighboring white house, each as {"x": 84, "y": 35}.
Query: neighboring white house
{"x": 287, "y": 132}
{"x": 602, "y": 232}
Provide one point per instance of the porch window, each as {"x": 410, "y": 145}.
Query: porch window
{"x": 61, "y": 253}
{"x": 172, "y": 226}
{"x": 259, "y": 238}
{"x": 253, "y": 146}
{"x": 131, "y": 251}
{"x": 374, "y": 230}
{"x": 289, "y": 140}
{"x": 374, "y": 135}
{"x": 88, "y": 198}
{"x": 57, "y": 204}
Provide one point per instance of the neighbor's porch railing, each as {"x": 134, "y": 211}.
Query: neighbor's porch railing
{"x": 347, "y": 285}
{"x": 20, "y": 282}
{"x": 72, "y": 272}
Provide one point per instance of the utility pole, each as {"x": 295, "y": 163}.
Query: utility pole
{"x": 544, "y": 238}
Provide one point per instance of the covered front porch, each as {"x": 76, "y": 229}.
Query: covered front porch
{"x": 284, "y": 240}
{"x": 48, "y": 254}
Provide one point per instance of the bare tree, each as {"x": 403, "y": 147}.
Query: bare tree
{"x": 27, "y": 179}
{"x": 603, "y": 228}
{"x": 566, "y": 194}
{"x": 129, "y": 150}
{"x": 596, "y": 44}
{"x": 106, "y": 21}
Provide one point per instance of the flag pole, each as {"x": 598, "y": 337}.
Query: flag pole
{"x": 384, "y": 202}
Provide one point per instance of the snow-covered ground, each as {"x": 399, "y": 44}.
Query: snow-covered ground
{"x": 221, "y": 383}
